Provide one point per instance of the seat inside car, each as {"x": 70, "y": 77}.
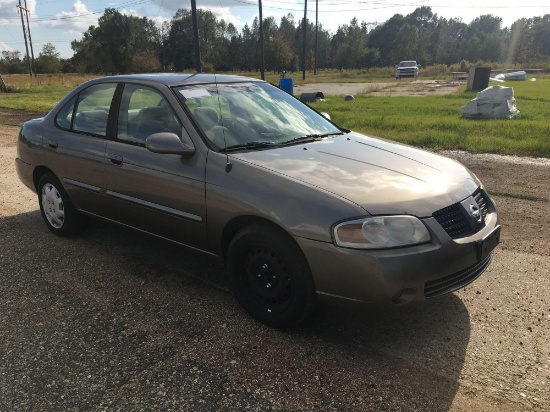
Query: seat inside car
{"x": 153, "y": 120}
{"x": 207, "y": 118}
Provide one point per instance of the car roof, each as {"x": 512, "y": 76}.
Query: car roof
{"x": 181, "y": 79}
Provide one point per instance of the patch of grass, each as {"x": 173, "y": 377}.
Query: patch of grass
{"x": 516, "y": 195}
{"x": 435, "y": 122}
{"x": 38, "y": 94}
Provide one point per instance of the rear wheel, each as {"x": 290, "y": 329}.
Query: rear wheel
{"x": 271, "y": 277}
{"x": 56, "y": 208}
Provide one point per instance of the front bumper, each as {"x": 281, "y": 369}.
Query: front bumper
{"x": 401, "y": 275}
{"x": 406, "y": 74}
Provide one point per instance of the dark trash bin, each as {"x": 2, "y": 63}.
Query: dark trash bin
{"x": 311, "y": 96}
{"x": 478, "y": 78}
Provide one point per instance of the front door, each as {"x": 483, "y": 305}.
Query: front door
{"x": 163, "y": 194}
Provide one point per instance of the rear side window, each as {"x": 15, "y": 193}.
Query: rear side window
{"x": 64, "y": 118}
{"x": 91, "y": 112}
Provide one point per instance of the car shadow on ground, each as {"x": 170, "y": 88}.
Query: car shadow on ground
{"x": 178, "y": 304}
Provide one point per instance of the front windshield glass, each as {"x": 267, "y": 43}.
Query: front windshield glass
{"x": 407, "y": 64}
{"x": 253, "y": 114}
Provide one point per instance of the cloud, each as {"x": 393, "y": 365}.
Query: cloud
{"x": 9, "y": 13}
{"x": 5, "y": 47}
{"x": 77, "y": 20}
{"x": 229, "y": 14}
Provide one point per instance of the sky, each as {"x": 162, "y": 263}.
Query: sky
{"x": 61, "y": 21}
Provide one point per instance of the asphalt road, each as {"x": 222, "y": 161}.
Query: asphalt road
{"x": 116, "y": 320}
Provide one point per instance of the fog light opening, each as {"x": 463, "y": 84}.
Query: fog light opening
{"x": 404, "y": 297}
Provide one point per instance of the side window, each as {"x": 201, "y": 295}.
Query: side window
{"x": 92, "y": 110}
{"x": 65, "y": 116}
{"x": 143, "y": 112}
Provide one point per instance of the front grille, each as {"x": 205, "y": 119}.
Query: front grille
{"x": 481, "y": 202}
{"x": 456, "y": 222}
{"x": 456, "y": 280}
{"x": 453, "y": 220}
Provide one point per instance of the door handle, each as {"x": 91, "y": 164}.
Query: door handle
{"x": 52, "y": 144}
{"x": 116, "y": 160}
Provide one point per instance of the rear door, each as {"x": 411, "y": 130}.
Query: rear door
{"x": 76, "y": 143}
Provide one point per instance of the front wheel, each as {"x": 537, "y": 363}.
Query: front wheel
{"x": 271, "y": 276}
{"x": 56, "y": 208}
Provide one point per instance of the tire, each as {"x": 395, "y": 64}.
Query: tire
{"x": 57, "y": 210}
{"x": 271, "y": 277}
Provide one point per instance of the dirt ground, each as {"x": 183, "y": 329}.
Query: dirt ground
{"x": 403, "y": 87}
{"x": 115, "y": 320}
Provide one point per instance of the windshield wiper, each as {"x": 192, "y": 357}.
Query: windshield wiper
{"x": 248, "y": 146}
{"x": 311, "y": 138}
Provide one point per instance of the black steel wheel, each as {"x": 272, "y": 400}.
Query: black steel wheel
{"x": 56, "y": 208}
{"x": 271, "y": 277}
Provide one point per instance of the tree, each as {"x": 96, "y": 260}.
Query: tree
{"x": 349, "y": 45}
{"x": 48, "y": 61}
{"x": 11, "y": 62}
{"x": 111, "y": 46}
{"x": 449, "y": 44}
{"x": 146, "y": 61}
{"x": 541, "y": 36}
{"x": 484, "y": 39}
{"x": 520, "y": 42}
{"x": 283, "y": 54}
{"x": 383, "y": 38}
{"x": 406, "y": 44}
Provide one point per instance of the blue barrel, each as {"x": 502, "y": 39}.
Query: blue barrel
{"x": 287, "y": 84}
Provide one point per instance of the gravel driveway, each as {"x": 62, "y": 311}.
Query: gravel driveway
{"x": 403, "y": 87}
{"x": 115, "y": 320}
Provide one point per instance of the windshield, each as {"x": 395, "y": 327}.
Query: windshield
{"x": 407, "y": 64}
{"x": 252, "y": 115}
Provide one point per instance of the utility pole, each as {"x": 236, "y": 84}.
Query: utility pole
{"x": 25, "y": 35}
{"x": 316, "y": 35}
{"x": 196, "y": 40}
{"x": 262, "y": 61}
{"x": 30, "y": 40}
{"x": 162, "y": 42}
{"x": 304, "y": 23}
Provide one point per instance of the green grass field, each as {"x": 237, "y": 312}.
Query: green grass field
{"x": 431, "y": 122}
{"x": 435, "y": 122}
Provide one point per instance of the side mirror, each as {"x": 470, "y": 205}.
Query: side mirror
{"x": 326, "y": 115}
{"x": 419, "y": 65}
{"x": 168, "y": 143}
{"x": 396, "y": 66}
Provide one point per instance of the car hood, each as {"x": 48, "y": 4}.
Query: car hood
{"x": 380, "y": 176}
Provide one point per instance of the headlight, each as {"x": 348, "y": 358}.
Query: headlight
{"x": 381, "y": 232}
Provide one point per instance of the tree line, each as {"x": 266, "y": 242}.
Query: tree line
{"x": 124, "y": 44}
